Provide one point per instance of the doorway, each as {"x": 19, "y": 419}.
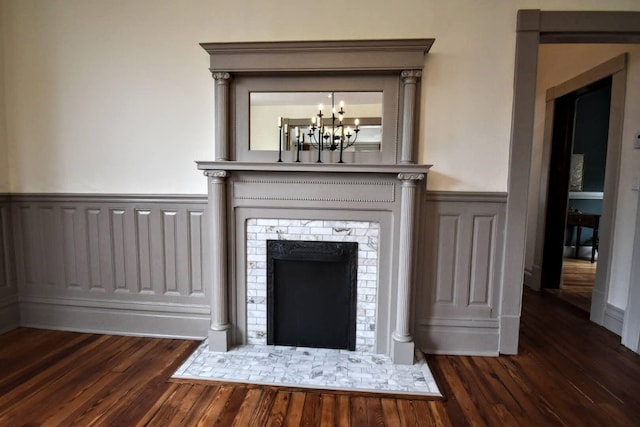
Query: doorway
{"x": 575, "y": 192}
{"x": 534, "y": 29}
{"x": 567, "y": 92}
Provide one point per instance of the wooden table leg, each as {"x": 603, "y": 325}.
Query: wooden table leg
{"x": 594, "y": 244}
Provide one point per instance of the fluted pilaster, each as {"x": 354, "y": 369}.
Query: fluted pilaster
{"x": 409, "y": 86}
{"x": 402, "y": 341}
{"x": 222, "y": 115}
{"x": 219, "y": 339}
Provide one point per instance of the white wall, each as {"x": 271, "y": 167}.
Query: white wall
{"x": 115, "y": 96}
{"x": 557, "y": 64}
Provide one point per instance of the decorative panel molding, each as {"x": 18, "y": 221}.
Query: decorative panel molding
{"x": 456, "y": 304}
{"x": 481, "y": 262}
{"x": 135, "y": 265}
{"x": 119, "y": 248}
{"x": 196, "y": 244}
{"x": 5, "y": 251}
{"x": 109, "y": 254}
{"x": 143, "y": 233}
{"x": 447, "y": 254}
{"x": 9, "y": 314}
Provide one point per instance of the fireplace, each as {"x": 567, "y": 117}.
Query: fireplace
{"x": 248, "y": 180}
{"x": 311, "y": 294}
{"x": 371, "y": 205}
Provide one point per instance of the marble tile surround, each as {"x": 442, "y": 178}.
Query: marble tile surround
{"x": 310, "y": 368}
{"x": 366, "y": 234}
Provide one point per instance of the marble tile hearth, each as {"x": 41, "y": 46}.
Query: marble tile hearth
{"x": 310, "y": 368}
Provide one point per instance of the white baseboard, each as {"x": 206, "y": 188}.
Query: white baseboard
{"x": 528, "y": 277}
{"x": 181, "y": 321}
{"x": 613, "y": 319}
{"x": 509, "y": 334}
{"x": 459, "y": 337}
{"x": 532, "y": 277}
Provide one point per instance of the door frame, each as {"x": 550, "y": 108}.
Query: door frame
{"x": 631, "y": 322}
{"x": 535, "y": 27}
{"x": 616, "y": 68}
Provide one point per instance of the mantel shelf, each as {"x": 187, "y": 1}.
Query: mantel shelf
{"x": 313, "y": 167}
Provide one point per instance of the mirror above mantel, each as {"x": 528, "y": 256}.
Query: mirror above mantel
{"x": 294, "y": 117}
{"x": 261, "y": 85}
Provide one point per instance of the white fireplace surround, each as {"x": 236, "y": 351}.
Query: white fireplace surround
{"x": 381, "y": 194}
{"x": 365, "y": 233}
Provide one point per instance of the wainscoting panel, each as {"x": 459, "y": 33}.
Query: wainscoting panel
{"x": 135, "y": 265}
{"x": 4, "y": 245}
{"x": 457, "y": 297}
{"x": 447, "y": 254}
{"x": 125, "y": 264}
{"x": 9, "y": 312}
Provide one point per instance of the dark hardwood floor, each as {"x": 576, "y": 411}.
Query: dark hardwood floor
{"x": 569, "y": 372}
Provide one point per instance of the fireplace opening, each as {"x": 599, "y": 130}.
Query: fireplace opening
{"x": 311, "y": 293}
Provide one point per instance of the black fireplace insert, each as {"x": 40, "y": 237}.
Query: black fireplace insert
{"x": 311, "y": 293}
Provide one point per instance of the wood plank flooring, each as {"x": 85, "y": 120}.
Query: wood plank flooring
{"x": 569, "y": 372}
{"x": 578, "y": 280}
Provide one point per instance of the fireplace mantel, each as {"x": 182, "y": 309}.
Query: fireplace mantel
{"x": 314, "y": 167}
{"x": 374, "y": 187}
{"x": 379, "y": 193}
{"x": 393, "y": 67}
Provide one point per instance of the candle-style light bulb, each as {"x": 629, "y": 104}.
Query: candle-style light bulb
{"x": 286, "y": 128}
{"x": 320, "y": 108}
{"x": 340, "y": 117}
{"x": 297, "y": 131}
{"x": 279, "y": 122}
{"x": 357, "y": 122}
{"x": 313, "y": 120}
{"x": 349, "y": 132}
{"x": 341, "y": 104}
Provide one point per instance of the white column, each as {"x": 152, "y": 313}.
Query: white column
{"x": 219, "y": 332}
{"x": 402, "y": 344}
{"x": 222, "y": 107}
{"x": 409, "y": 84}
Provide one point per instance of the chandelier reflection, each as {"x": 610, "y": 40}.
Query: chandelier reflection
{"x": 327, "y": 132}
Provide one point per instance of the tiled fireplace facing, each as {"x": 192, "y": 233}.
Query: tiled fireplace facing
{"x": 365, "y": 233}
{"x": 373, "y": 205}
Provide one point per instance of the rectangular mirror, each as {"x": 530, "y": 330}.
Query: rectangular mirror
{"x": 259, "y": 101}
{"x": 275, "y": 116}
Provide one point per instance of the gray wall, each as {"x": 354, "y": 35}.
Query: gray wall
{"x": 134, "y": 265}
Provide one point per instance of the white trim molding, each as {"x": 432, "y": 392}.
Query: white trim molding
{"x": 613, "y": 319}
